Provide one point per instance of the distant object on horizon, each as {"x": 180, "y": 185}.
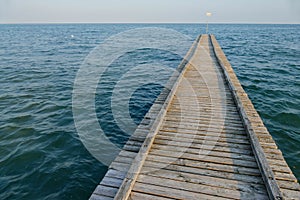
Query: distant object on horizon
{"x": 208, "y": 14}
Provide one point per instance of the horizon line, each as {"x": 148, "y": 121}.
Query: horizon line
{"x": 263, "y": 23}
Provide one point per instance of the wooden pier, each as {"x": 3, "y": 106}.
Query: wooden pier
{"x": 201, "y": 140}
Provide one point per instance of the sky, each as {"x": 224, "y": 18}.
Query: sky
{"x": 149, "y": 11}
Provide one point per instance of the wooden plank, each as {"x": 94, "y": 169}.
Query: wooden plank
{"x": 274, "y": 156}
{"x": 197, "y": 111}
{"x": 212, "y": 131}
{"x": 203, "y": 115}
{"x": 204, "y": 112}
{"x": 205, "y": 103}
{"x": 203, "y": 123}
{"x": 142, "y": 133}
{"x": 199, "y": 137}
{"x": 128, "y": 154}
{"x": 206, "y": 141}
{"x": 131, "y": 148}
{"x": 289, "y": 185}
{"x": 115, "y": 174}
{"x": 186, "y": 185}
{"x": 134, "y": 138}
{"x": 134, "y": 143}
{"x": 193, "y": 119}
{"x": 201, "y": 108}
{"x": 285, "y": 176}
{"x": 138, "y": 195}
{"x": 201, "y": 128}
{"x": 190, "y": 134}
{"x": 108, "y": 191}
{"x": 208, "y": 99}
{"x": 290, "y": 194}
{"x": 200, "y": 122}
{"x": 202, "y": 167}
{"x": 282, "y": 169}
{"x": 197, "y": 152}
{"x": 123, "y": 167}
{"x": 268, "y": 145}
{"x": 184, "y": 105}
{"x": 100, "y": 197}
{"x": 122, "y": 159}
{"x": 275, "y": 163}
{"x": 206, "y": 158}
{"x": 111, "y": 182}
{"x": 206, "y": 180}
{"x": 217, "y": 147}
{"x": 171, "y": 193}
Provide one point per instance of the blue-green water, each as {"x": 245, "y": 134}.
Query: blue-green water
{"x": 41, "y": 155}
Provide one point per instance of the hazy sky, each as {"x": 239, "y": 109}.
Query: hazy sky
{"x": 224, "y": 11}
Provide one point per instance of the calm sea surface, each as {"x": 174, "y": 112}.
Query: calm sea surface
{"x": 41, "y": 155}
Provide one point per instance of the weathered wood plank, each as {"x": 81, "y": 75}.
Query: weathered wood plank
{"x": 108, "y": 191}
{"x": 289, "y": 185}
{"x": 201, "y": 128}
{"x": 160, "y": 154}
{"x": 205, "y": 180}
{"x": 100, "y": 197}
{"x": 206, "y": 137}
{"x": 122, "y": 159}
{"x": 199, "y": 123}
{"x": 111, "y": 182}
{"x": 128, "y": 154}
{"x": 212, "y": 131}
{"x": 123, "y": 167}
{"x": 210, "y": 152}
{"x": 205, "y": 141}
{"x": 115, "y": 174}
{"x": 132, "y": 148}
{"x": 204, "y": 119}
{"x": 190, "y": 134}
{"x": 203, "y": 115}
{"x": 171, "y": 193}
{"x": 205, "y": 168}
{"x": 202, "y": 145}
{"x": 290, "y": 194}
{"x": 186, "y": 185}
{"x": 137, "y": 195}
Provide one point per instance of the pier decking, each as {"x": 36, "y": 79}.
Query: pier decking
{"x": 201, "y": 140}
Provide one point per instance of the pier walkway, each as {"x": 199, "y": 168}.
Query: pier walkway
{"x": 203, "y": 139}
